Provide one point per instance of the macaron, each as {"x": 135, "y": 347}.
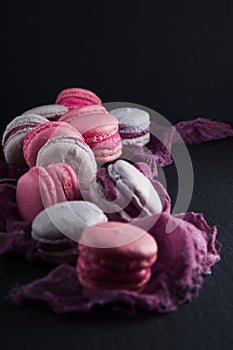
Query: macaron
{"x": 35, "y": 139}
{"x": 52, "y": 111}
{"x": 58, "y": 228}
{"x": 121, "y": 188}
{"x": 134, "y": 125}
{"x": 42, "y": 187}
{"x": 72, "y": 151}
{"x": 13, "y": 137}
{"x": 77, "y": 97}
{"x": 115, "y": 255}
{"x": 100, "y": 132}
{"x": 73, "y": 113}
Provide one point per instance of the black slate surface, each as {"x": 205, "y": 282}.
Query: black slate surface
{"x": 205, "y": 323}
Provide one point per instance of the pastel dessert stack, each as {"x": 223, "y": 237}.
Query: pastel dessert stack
{"x": 69, "y": 201}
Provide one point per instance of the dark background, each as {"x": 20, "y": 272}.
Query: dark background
{"x": 175, "y": 57}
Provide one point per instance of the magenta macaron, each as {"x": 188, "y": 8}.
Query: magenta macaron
{"x": 41, "y": 134}
{"x": 41, "y": 187}
{"x": 115, "y": 255}
{"x": 77, "y": 97}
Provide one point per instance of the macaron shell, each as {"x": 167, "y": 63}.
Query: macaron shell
{"x": 77, "y": 97}
{"x": 41, "y": 134}
{"x": 60, "y": 257}
{"x": 65, "y": 180}
{"x": 93, "y": 285}
{"x": 92, "y": 109}
{"x": 22, "y": 122}
{"x": 131, "y": 116}
{"x": 65, "y": 220}
{"x": 51, "y": 111}
{"x": 56, "y": 173}
{"x": 118, "y": 246}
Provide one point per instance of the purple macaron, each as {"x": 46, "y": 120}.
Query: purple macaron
{"x": 13, "y": 137}
{"x": 134, "y": 125}
{"x": 58, "y": 228}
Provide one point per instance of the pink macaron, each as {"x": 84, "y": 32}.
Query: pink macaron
{"x": 100, "y": 132}
{"x": 42, "y": 187}
{"x": 92, "y": 109}
{"x": 77, "y": 97}
{"x": 34, "y": 140}
{"x": 115, "y": 255}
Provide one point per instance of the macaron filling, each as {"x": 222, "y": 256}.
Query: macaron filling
{"x": 130, "y": 135}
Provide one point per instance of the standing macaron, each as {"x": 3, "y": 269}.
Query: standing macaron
{"x": 13, "y": 137}
{"x": 77, "y": 97}
{"x": 100, "y": 132}
{"x": 134, "y": 125}
{"x": 58, "y": 228}
{"x": 51, "y": 112}
{"x": 41, "y": 134}
{"x": 115, "y": 255}
{"x": 42, "y": 187}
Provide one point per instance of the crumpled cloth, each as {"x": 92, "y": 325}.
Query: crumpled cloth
{"x": 189, "y": 132}
{"x": 15, "y": 234}
{"x": 185, "y": 256}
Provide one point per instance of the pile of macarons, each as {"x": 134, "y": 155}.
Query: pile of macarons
{"x": 79, "y": 194}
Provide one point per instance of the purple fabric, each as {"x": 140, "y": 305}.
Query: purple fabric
{"x": 10, "y": 171}
{"x": 185, "y": 256}
{"x": 15, "y": 234}
{"x": 190, "y": 132}
{"x": 202, "y": 130}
